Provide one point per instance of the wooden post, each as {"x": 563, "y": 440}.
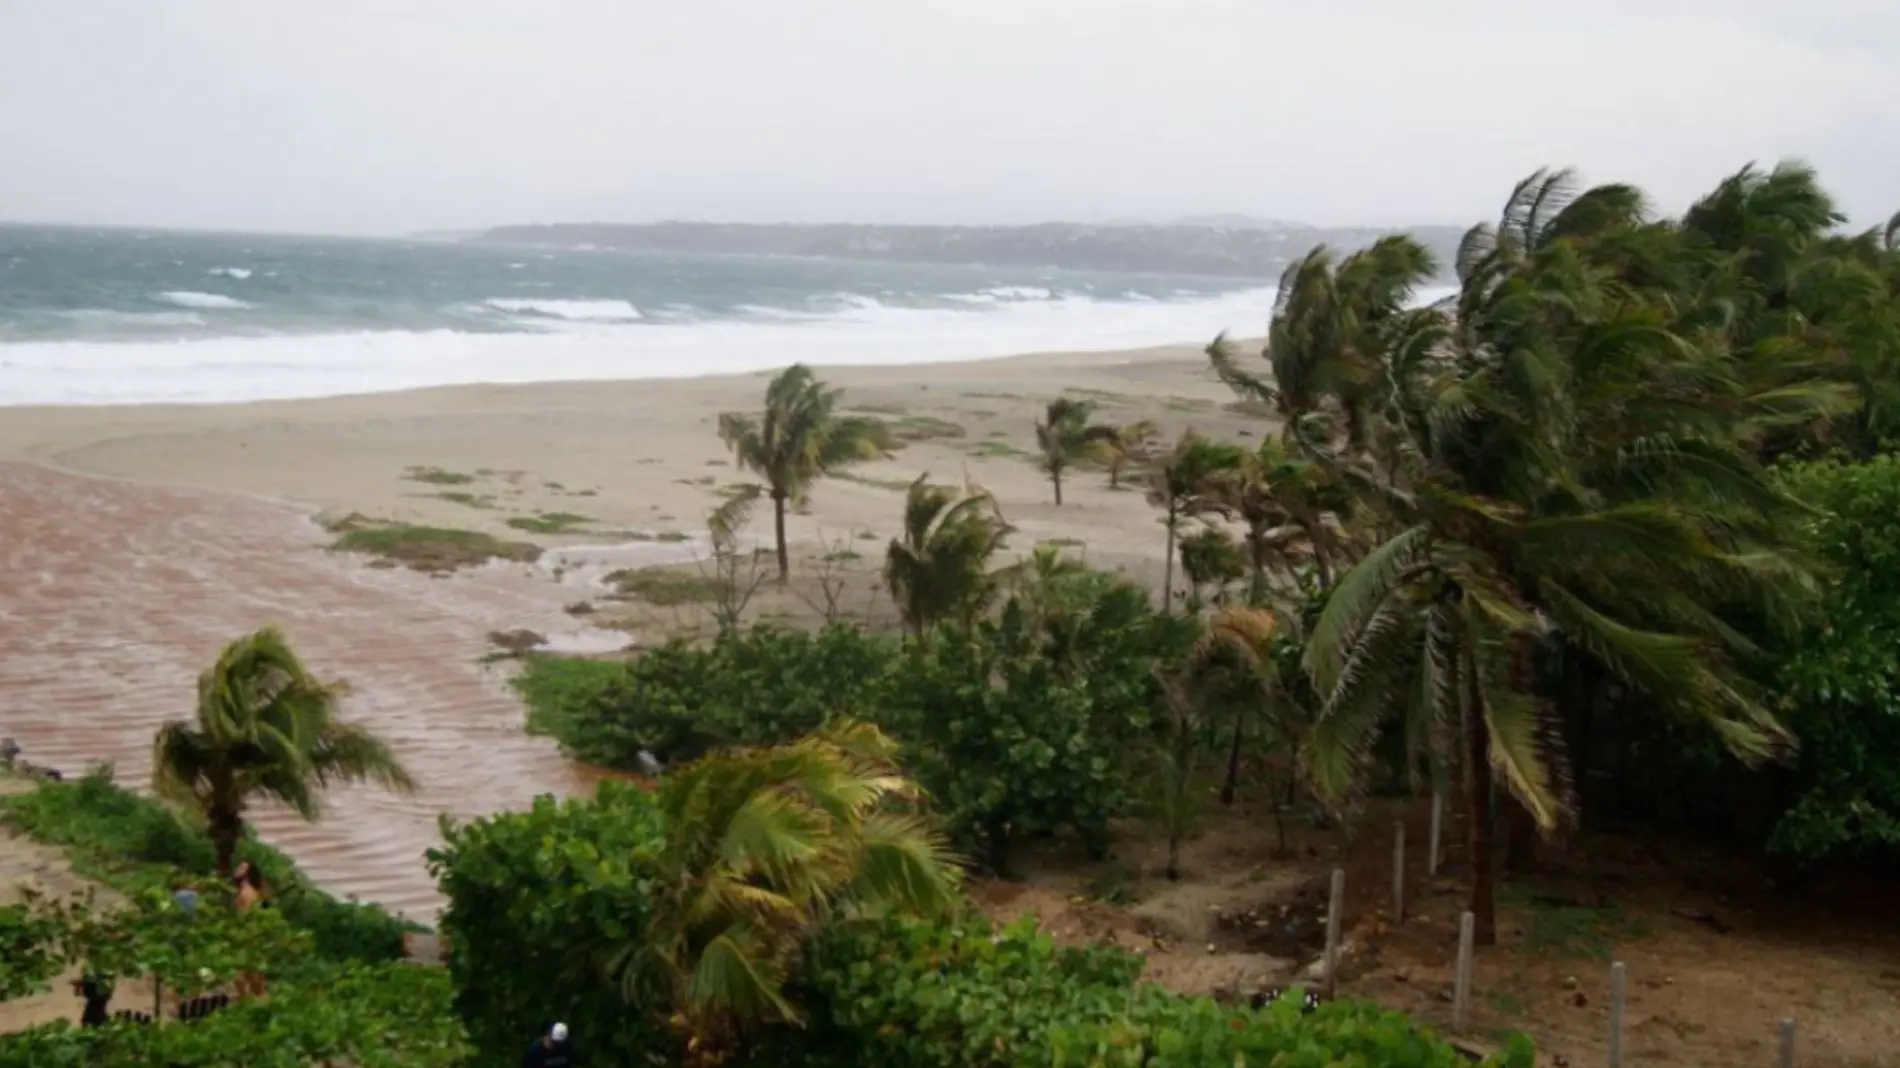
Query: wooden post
{"x": 1438, "y": 826}
{"x": 1787, "y": 1044}
{"x": 1334, "y": 908}
{"x": 1398, "y": 871}
{"x": 1461, "y": 992}
{"x": 1619, "y": 999}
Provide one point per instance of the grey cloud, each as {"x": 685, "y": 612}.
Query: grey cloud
{"x": 390, "y": 115}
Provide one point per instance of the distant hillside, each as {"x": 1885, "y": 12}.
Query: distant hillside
{"x": 1259, "y": 249}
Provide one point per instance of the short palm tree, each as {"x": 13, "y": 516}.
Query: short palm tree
{"x": 267, "y": 729}
{"x": 1291, "y": 507}
{"x": 1188, "y": 482}
{"x": 1133, "y": 444}
{"x": 939, "y": 568}
{"x": 1064, "y": 436}
{"x": 764, "y": 847}
{"x": 796, "y": 440}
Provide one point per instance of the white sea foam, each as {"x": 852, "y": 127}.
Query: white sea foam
{"x": 239, "y": 273}
{"x": 226, "y": 369}
{"x": 599, "y": 311}
{"x": 123, "y": 318}
{"x": 186, "y": 298}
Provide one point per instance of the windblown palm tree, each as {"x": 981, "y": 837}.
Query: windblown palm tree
{"x": 1133, "y": 444}
{"x": 796, "y": 440}
{"x": 1064, "y": 436}
{"x": 1572, "y": 466}
{"x": 763, "y": 847}
{"x": 939, "y": 568}
{"x": 265, "y": 729}
{"x": 1188, "y": 483}
{"x": 1291, "y": 507}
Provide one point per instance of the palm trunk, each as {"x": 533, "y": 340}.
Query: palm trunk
{"x": 1483, "y": 901}
{"x": 778, "y": 531}
{"x": 1055, "y": 479}
{"x": 226, "y": 829}
{"x": 1167, "y": 573}
{"x": 1233, "y": 757}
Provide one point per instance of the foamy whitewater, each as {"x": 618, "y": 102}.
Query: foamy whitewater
{"x": 128, "y": 317}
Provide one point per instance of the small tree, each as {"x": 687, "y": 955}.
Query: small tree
{"x": 833, "y": 572}
{"x": 1064, "y": 435}
{"x": 1133, "y": 444}
{"x": 1188, "y": 483}
{"x": 1210, "y": 560}
{"x": 734, "y": 570}
{"x": 796, "y": 440}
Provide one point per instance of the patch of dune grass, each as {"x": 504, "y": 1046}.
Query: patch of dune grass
{"x": 428, "y": 548}
{"x": 550, "y": 522}
{"x": 436, "y": 476}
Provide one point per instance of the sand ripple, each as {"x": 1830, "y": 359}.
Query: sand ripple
{"x": 114, "y": 595}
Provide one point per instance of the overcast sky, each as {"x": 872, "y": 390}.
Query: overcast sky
{"x": 382, "y": 116}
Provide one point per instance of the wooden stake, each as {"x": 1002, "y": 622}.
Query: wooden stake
{"x": 1438, "y": 826}
{"x": 1333, "y": 910}
{"x": 1619, "y": 1001}
{"x": 1398, "y": 871}
{"x": 1461, "y": 992}
{"x": 1787, "y": 1044}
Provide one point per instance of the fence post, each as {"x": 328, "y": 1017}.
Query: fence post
{"x": 1619, "y": 999}
{"x": 1398, "y": 872}
{"x": 1787, "y": 1044}
{"x": 1461, "y": 991}
{"x": 1334, "y": 907}
{"x": 1438, "y": 824}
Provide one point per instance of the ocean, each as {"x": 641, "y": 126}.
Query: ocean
{"x": 94, "y": 317}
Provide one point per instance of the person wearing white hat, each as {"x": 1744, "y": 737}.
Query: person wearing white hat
{"x": 552, "y": 1050}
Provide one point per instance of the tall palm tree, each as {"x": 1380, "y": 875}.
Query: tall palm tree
{"x": 1064, "y": 435}
{"x": 762, "y": 848}
{"x": 798, "y": 439}
{"x": 1188, "y": 483}
{"x": 266, "y": 728}
{"x": 939, "y": 567}
{"x": 1574, "y": 467}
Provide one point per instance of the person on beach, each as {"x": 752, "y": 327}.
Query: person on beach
{"x": 251, "y": 893}
{"x": 552, "y": 1050}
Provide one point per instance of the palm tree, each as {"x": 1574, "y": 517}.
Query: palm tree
{"x": 798, "y": 439}
{"x": 1572, "y": 468}
{"x": 1132, "y": 445}
{"x": 1188, "y": 483}
{"x": 1210, "y": 559}
{"x": 939, "y": 567}
{"x": 1064, "y": 435}
{"x": 1291, "y": 507}
{"x": 763, "y": 847}
{"x": 266, "y": 728}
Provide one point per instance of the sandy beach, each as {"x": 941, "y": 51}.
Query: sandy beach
{"x": 140, "y": 539}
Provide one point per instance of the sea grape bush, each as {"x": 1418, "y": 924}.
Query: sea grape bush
{"x": 537, "y": 899}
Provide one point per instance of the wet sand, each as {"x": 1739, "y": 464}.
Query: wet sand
{"x": 137, "y": 541}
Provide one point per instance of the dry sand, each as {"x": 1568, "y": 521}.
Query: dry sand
{"x": 644, "y": 455}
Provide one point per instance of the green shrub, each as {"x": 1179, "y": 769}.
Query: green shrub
{"x": 383, "y": 1016}
{"x": 132, "y": 842}
{"x": 538, "y": 900}
{"x": 940, "y": 996}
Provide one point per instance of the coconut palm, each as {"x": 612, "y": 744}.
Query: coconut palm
{"x": 797, "y": 439}
{"x": 762, "y": 848}
{"x": 1187, "y": 483}
{"x": 939, "y": 567}
{"x": 266, "y": 728}
{"x": 1576, "y": 469}
{"x": 1064, "y": 436}
{"x": 1211, "y": 561}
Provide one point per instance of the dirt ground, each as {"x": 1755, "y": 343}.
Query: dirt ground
{"x": 1714, "y": 957}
